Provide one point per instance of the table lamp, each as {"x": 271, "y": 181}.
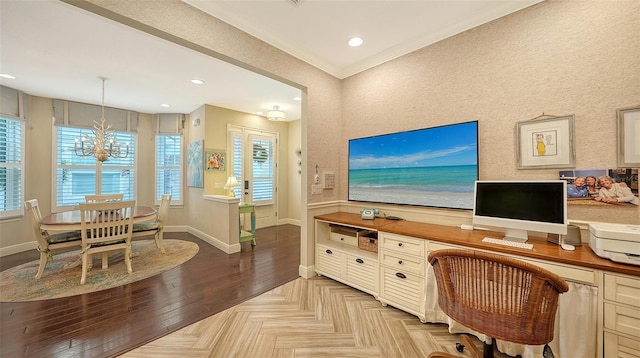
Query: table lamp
{"x": 231, "y": 183}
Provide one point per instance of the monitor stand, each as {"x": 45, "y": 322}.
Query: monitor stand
{"x": 516, "y": 235}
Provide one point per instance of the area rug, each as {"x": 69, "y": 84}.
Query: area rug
{"x": 18, "y": 283}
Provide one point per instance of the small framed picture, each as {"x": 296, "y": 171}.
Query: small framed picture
{"x": 546, "y": 143}
{"x": 629, "y": 137}
{"x": 215, "y": 160}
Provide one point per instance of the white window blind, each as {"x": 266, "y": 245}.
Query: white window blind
{"x": 11, "y": 167}
{"x": 263, "y": 167}
{"x": 236, "y": 138}
{"x": 78, "y": 176}
{"x": 169, "y": 167}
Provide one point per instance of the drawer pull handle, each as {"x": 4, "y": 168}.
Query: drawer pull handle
{"x": 401, "y": 275}
{"x": 400, "y": 262}
{"x": 399, "y": 244}
{"x": 342, "y": 238}
{"x": 328, "y": 251}
{"x": 360, "y": 261}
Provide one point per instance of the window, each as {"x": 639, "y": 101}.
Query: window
{"x": 78, "y": 176}
{"x": 262, "y": 170}
{"x": 253, "y": 163}
{"x": 169, "y": 167}
{"x": 11, "y": 167}
{"x": 236, "y": 161}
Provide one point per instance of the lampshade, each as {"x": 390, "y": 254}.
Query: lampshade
{"x": 231, "y": 183}
{"x": 276, "y": 114}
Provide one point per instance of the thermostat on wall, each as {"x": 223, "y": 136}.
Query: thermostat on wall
{"x": 329, "y": 180}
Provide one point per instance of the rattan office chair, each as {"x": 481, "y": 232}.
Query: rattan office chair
{"x": 500, "y": 297}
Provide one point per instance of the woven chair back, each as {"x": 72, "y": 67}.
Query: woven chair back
{"x": 498, "y": 296}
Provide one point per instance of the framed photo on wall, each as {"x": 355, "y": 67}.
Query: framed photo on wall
{"x": 215, "y": 159}
{"x": 629, "y": 137}
{"x": 546, "y": 143}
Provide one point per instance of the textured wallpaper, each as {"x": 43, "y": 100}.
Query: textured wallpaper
{"x": 557, "y": 57}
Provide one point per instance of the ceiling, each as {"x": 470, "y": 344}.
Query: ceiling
{"x": 56, "y": 50}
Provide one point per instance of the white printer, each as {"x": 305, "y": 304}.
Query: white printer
{"x": 617, "y": 242}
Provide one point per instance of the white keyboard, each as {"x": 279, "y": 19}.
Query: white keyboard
{"x": 521, "y": 245}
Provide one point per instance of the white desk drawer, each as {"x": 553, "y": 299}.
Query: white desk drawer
{"x": 620, "y": 346}
{"x": 401, "y": 243}
{"x": 622, "y": 319}
{"x": 402, "y": 290}
{"x": 622, "y": 289}
{"x": 363, "y": 272}
{"x": 400, "y": 262}
{"x": 344, "y": 238}
{"x": 329, "y": 261}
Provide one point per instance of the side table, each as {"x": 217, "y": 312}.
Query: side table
{"x": 246, "y": 208}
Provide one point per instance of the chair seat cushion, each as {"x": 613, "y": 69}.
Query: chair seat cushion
{"x": 145, "y": 226}
{"x": 64, "y": 237}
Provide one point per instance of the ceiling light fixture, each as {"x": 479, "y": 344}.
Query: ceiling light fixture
{"x": 104, "y": 144}
{"x": 197, "y": 81}
{"x": 355, "y": 42}
{"x": 6, "y": 75}
{"x": 276, "y": 114}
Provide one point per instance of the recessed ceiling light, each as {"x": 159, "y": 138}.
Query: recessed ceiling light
{"x": 5, "y": 75}
{"x": 165, "y": 105}
{"x": 355, "y": 42}
{"x": 259, "y": 113}
{"x": 197, "y": 81}
{"x": 297, "y": 98}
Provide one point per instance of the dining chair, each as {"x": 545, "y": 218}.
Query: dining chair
{"x": 101, "y": 198}
{"x": 49, "y": 242}
{"x": 156, "y": 227}
{"x": 106, "y": 227}
{"x": 500, "y": 297}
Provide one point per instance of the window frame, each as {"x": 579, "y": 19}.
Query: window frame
{"x": 8, "y": 214}
{"x": 157, "y": 168}
{"x": 99, "y": 167}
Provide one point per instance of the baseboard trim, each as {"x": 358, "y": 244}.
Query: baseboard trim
{"x": 14, "y": 249}
{"x": 306, "y": 271}
{"x": 215, "y": 242}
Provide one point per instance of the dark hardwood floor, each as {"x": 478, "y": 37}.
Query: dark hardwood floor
{"x": 110, "y": 322}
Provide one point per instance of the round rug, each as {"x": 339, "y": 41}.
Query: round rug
{"x": 19, "y": 284}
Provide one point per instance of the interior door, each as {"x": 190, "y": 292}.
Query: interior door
{"x": 254, "y": 164}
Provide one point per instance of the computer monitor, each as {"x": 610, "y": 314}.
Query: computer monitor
{"x": 516, "y": 207}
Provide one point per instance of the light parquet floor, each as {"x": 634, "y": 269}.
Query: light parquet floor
{"x": 316, "y": 317}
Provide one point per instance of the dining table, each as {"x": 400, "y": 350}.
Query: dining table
{"x": 70, "y": 220}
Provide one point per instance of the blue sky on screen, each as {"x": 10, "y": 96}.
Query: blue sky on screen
{"x": 439, "y": 146}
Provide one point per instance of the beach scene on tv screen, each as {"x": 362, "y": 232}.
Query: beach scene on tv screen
{"x": 427, "y": 167}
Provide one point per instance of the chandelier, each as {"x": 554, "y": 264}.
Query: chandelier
{"x": 103, "y": 145}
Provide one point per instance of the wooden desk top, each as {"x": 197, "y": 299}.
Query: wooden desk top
{"x": 542, "y": 249}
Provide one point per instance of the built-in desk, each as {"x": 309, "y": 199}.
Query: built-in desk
{"x": 542, "y": 249}
{"x": 616, "y": 307}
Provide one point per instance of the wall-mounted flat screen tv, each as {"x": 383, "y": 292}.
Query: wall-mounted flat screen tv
{"x": 434, "y": 167}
